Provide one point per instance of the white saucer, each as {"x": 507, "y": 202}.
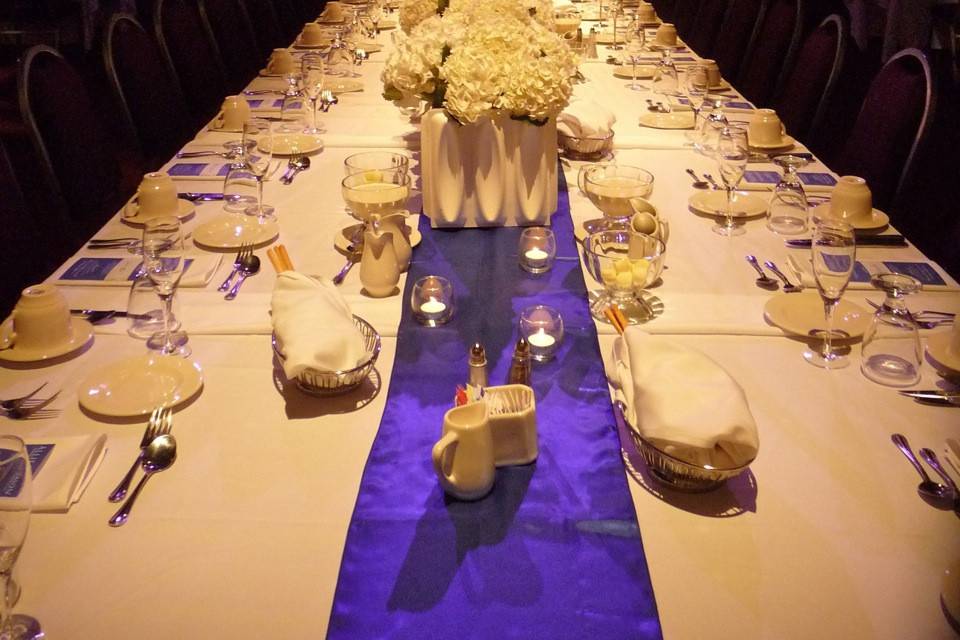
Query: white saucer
{"x": 878, "y": 219}
{"x": 370, "y": 47}
{"x": 82, "y": 334}
{"x": 801, "y": 313}
{"x": 723, "y": 86}
{"x": 213, "y": 126}
{"x": 136, "y": 386}
{"x": 185, "y": 209}
{"x": 672, "y": 120}
{"x": 269, "y": 74}
{"x": 938, "y": 350}
{"x": 786, "y": 142}
{"x": 302, "y": 45}
{"x": 714, "y": 203}
{"x": 625, "y": 71}
{"x": 389, "y": 23}
{"x": 341, "y": 85}
{"x": 659, "y": 46}
{"x": 305, "y": 143}
{"x": 342, "y": 240}
{"x": 231, "y": 231}
{"x": 322, "y": 20}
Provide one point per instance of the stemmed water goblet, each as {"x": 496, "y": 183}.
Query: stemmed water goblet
{"x": 616, "y": 9}
{"x": 164, "y": 263}
{"x": 259, "y": 161}
{"x": 732, "y": 154}
{"x": 713, "y": 125}
{"x": 610, "y": 188}
{"x": 787, "y": 213}
{"x": 375, "y": 13}
{"x": 16, "y": 501}
{"x": 834, "y": 252}
{"x": 634, "y": 51}
{"x": 312, "y": 71}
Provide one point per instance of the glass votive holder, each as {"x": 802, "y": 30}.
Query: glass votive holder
{"x": 542, "y": 326}
{"x": 537, "y": 249}
{"x": 432, "y": 300}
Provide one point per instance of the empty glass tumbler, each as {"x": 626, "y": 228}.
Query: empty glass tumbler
{"x": 891, "y": 353}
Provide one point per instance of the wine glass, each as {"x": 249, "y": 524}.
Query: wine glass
{"x": 696, "y": 86}
{"x": 787, "y": 213}
{"x": 834, "y": 250}
{"x": 259, "y": 161}
{"x": 375, "y": 13}
{"x": 891, "y": 354}
{"x": 635, "y": 47}
{"x": 665, "y": 78}
{"x": 312, "y": 71}
{"x": 732, "y": 155}
{"x": 713, "y": 125}
{"x": 16, "y": 500}
{"x": 164, "y": 263}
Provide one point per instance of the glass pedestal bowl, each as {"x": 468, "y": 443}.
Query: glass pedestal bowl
{"x": 625, "y": 263}
{"x": 610, "y": 188}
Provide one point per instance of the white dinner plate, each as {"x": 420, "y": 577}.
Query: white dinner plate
{"x": 341, "y": 85}
{"x": 786, "y": 142}
{"x": 131, "y": 212}
{"x": 625, "y": 71}
{"x": 322, "y": 20}
{"x": 285, "y": 144}
{"x": 303, "y": 45}
{"x": 672, "y": 120}
{"x": 136, "y": 386}
{"x": 938, "y": 350}
{"x": 877, "y": 220}
{"x": 82, "y": 334}
{"x": 802, "y": 313}
{"x": 714, "y": 203}
{"x": 231, "y": 231}
{"x": 370, "y": 47}
{"x": 388, "y": 23}
{"x": 342, "y": 240}
{"x": 269, "y": 74}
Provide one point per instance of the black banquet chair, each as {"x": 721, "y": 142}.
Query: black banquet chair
{"x": 263, "y": 15}
{"x": 148, "y": 96}
{"x": 230, "y": 25}
{"x": 86, "y": 176}
{"x": 773, "y": 50}
{"x": 190, "y": 51}
{"x": 810, "y": 85}
{"x": 736, "y": 35}
{"x": 896, "y": 116}
{"x": 706, "y": 27}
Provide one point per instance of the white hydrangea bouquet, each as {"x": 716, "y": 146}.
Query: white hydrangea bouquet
{"x": 480, "y": 58}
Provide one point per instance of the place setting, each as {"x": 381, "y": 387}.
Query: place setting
{"x": 41, "y": 330}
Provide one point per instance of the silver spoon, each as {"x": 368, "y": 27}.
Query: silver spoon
{"x": 931, "y": 459}
{"x": 353, "y": 256}
{"x": 159, "y": 455}
{"x": 764, "y": 281}
{"x": 249, "y": 265}
{"x": 929, "y": 490}
{"x": 697, "y": 182}
{"x": 297, "y": 164}
{"x": 712, "y": 182}
{"x": 788, "y": 286}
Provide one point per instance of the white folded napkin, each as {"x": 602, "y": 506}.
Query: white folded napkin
{"x": 586, "y": 118}
{"x": 314, "y": 325}
{"x": 682, "y": 401}
{"x": 66, "y": 471}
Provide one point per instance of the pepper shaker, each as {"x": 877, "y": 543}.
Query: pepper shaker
{"x": 520, "y": 367}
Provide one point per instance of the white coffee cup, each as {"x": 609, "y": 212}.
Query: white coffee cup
{"x": 333, "y": 11}
{"x": 666, "y": 34}
{"x": 646, "y": 12}
{"x": 312, "y": 34}
{"x": 463, "y": 457}
{"x": 281, "y": 61}
{"x": 713, "y": 72}
{"x": 156, "y": 196}
{"x": 851, "y": 199}
{"x": 234, "y": 113}
{"x": 765, "y": 128}
{"x": 41, "y": 318}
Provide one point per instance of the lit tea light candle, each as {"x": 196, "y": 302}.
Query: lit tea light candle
{"x": 536, "y": 255}
{"x": 433, "y": 306}
{"x": 541, "y": 339}
{"x": 537, "y": 249}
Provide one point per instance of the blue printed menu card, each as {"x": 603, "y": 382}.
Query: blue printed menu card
{"x": 810, "y": 179}
{"x": 109, "y": 269}
{"x": 11, "y": 476}
{"x": 198, "y": 169}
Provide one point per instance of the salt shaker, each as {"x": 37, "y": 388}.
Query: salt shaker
{"x": 520, "y": 367}
{"x": 477, "y": 379}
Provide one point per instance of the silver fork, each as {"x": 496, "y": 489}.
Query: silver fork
{"x": 236, "y": 267}
{"x": 161, "y": 422}
{"x": 13, "y": 403}
{"x": 788, "y": 286}
{"x": 33, "y": 408}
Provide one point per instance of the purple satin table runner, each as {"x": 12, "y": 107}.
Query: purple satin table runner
{"x": 554, "y": 551}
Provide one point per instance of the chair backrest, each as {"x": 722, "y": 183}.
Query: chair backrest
{"x": 684, "y": 15}
{"x": 664, "y": 9}
{"x": 736, "y": 33}
{"x": 190, "y": 51}
{"x": 896, "y": 115}
{"x": 290, "y": 19}
{"x": 24, "y": 258}
{"x": 703, "y": 33}
{"x": 77, "y": 155}
{"x": 230, "y": 25}
{"x": 773, "y": 49}
{"x": 267, "y": 32}
{"x": 809, "y": 86}
{"x": 148, "y": 95}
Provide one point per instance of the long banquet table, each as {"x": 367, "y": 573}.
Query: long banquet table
{"x": 825, "y": 536}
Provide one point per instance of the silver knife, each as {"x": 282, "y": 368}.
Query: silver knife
{"x": 193, "y": 196}
{"x": 934, "y": 396}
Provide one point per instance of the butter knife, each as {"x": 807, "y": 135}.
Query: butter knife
{"x": 889, "y": 240}
{"x": 934, "y": 396}
{"x": 194, "y": 196}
